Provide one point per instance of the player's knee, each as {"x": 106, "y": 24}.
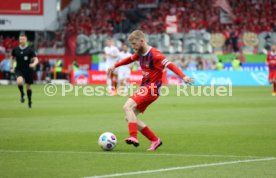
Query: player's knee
{"x": 28, "y": 87}
{"x": 126, "y": 118}
{"x": 19, "y": 80}
{"x": 127, "y": 108}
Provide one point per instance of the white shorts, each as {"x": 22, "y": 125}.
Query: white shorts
{"x": 124, "y": 74}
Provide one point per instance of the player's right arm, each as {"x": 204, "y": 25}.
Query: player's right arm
{"x": 125, "y": 61}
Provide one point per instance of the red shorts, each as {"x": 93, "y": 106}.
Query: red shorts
{"x": 272, "y": 76}
{"x": 143, "y": 98}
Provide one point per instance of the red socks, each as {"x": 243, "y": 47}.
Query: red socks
{"x": 274, "y": 86}
{"x": 149, "y": 134}
{"x": 133, "y": 129}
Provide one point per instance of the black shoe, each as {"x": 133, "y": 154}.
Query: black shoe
{"x": 22, "y": 100}
{"x": 132, "y": 141}
{"x": 30, "y": 104}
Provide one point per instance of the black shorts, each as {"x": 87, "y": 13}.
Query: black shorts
{"x": 28, "y": 75}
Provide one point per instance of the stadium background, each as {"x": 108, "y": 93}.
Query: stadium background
{"x": 203, "y": 136}
{"x": 196, "y": 35}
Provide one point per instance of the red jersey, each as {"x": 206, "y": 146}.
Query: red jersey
{"x": 152, "y": 64}
{"x": 271, "y": 57}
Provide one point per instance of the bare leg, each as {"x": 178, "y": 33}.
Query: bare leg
{"x": 131, "y": 118}
{"x": 140, "y": 123}
{"x": 129, "y": 108}
{"x": 19, "y": 80}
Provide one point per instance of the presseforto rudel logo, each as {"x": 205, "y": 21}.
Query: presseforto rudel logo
{"x": 180, "y": 90}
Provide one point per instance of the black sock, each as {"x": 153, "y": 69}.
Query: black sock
{"x": 20, "y": 87}
{"x": 29, "y": 94}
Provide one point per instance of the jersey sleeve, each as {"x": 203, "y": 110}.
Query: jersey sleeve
{"x": 176, "y": 70}
{"x": 32, "y": 53}
{"x": 160, "y": 61}
{"x": 134, "y": 57}
{"x": 127, "y": 60}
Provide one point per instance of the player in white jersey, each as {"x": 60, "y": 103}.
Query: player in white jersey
{"x": 111, "y": 55}
{"x": 125, "y": 70}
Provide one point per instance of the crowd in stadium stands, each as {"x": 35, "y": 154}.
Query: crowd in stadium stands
{"x": 255, "y": 16}
{"x": 7, "y": 43}
{"x": 51, "y": 40}
{"x": 113, "y": 16}
{"x": 98, "y": 16}
{"x": 106, "y": 17}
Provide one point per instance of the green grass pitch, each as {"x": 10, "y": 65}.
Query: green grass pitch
{"x": 58, "y": 136}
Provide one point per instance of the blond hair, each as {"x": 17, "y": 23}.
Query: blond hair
{"x": 136, "y": 35}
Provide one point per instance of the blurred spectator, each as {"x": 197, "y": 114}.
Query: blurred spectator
{"x": 75, "y": 65}
{"x": 7, "y": 43}
{"x": 2, "y": 48}
{"x": 220, "y": 65}
{"x": 5, "y": 66}
{"x": 200, "y": 63}
{"x": 59, "y": 68}
{"x": 227, "y": 43}
{"x": 234, "y": 36}
{"x": 236, "y": 64}
{"x": 241, "y": 57}
{"x": 39, "y": 73}
{"x": 47, "y": 70}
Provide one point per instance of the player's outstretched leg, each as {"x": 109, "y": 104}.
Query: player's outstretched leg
{"x": 129, "y": 108}
{"x": 29, "y": 94}
{"x": 145, "y": 130}
{"x": 274, "y": 88}
{"x": 19, "y": 81}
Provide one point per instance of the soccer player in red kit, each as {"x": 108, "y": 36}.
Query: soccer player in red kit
{"x": 271, "y": 61}
{"x": 152, "y": 63}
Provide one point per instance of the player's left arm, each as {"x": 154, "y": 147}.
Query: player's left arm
{"x": 177, "y": 71}
{"x": 161, "y": 60}
{"x": 34, "y": 59}
{"x": 34, "y": 63}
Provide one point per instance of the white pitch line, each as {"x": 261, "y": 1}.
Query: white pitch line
{"x": 126, "y": 153}
{"x": 181, "y": 168}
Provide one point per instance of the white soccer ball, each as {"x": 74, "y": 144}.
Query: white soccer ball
{"x": 107, "y": 141}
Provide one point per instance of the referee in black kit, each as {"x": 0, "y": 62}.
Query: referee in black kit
{"x": 26, "y": 61}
